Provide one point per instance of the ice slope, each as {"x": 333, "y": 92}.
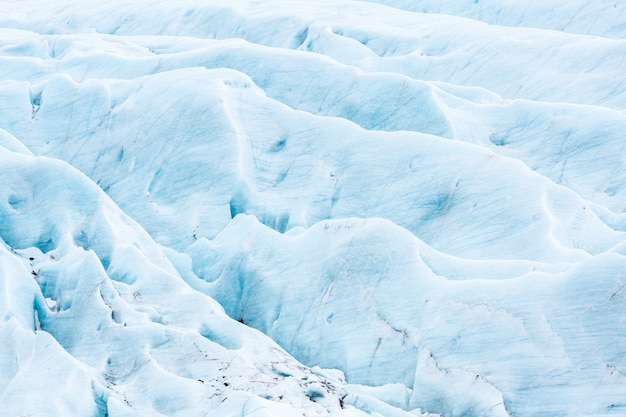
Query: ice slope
{"x": 600, "y": 18}
{"x": 367, "y": 292}
{"x": 371, "y": 38}
{"x": 96, "y": 320}
{"x": 432, "y": 204}
{"x": 230, "y": 149}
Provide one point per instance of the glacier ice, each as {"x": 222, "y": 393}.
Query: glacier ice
{"x": 95, "y": 316}
{"x": 334, "y": 208}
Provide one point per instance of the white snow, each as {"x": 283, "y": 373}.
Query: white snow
{"x": 409, "y": 207}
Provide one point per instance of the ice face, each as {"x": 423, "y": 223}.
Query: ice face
{"x": 425, "y": 207}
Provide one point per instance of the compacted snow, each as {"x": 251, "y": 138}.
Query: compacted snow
{"x": 296, "y": 208}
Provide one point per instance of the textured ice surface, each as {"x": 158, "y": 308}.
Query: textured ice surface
{"x": 422, "y": 204}
{"x": 96, "y": 320}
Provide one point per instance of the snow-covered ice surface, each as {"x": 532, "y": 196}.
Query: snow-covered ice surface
{"x": 296, "y": 208}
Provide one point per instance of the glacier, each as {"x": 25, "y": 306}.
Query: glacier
{"x": 331, "y": 208}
